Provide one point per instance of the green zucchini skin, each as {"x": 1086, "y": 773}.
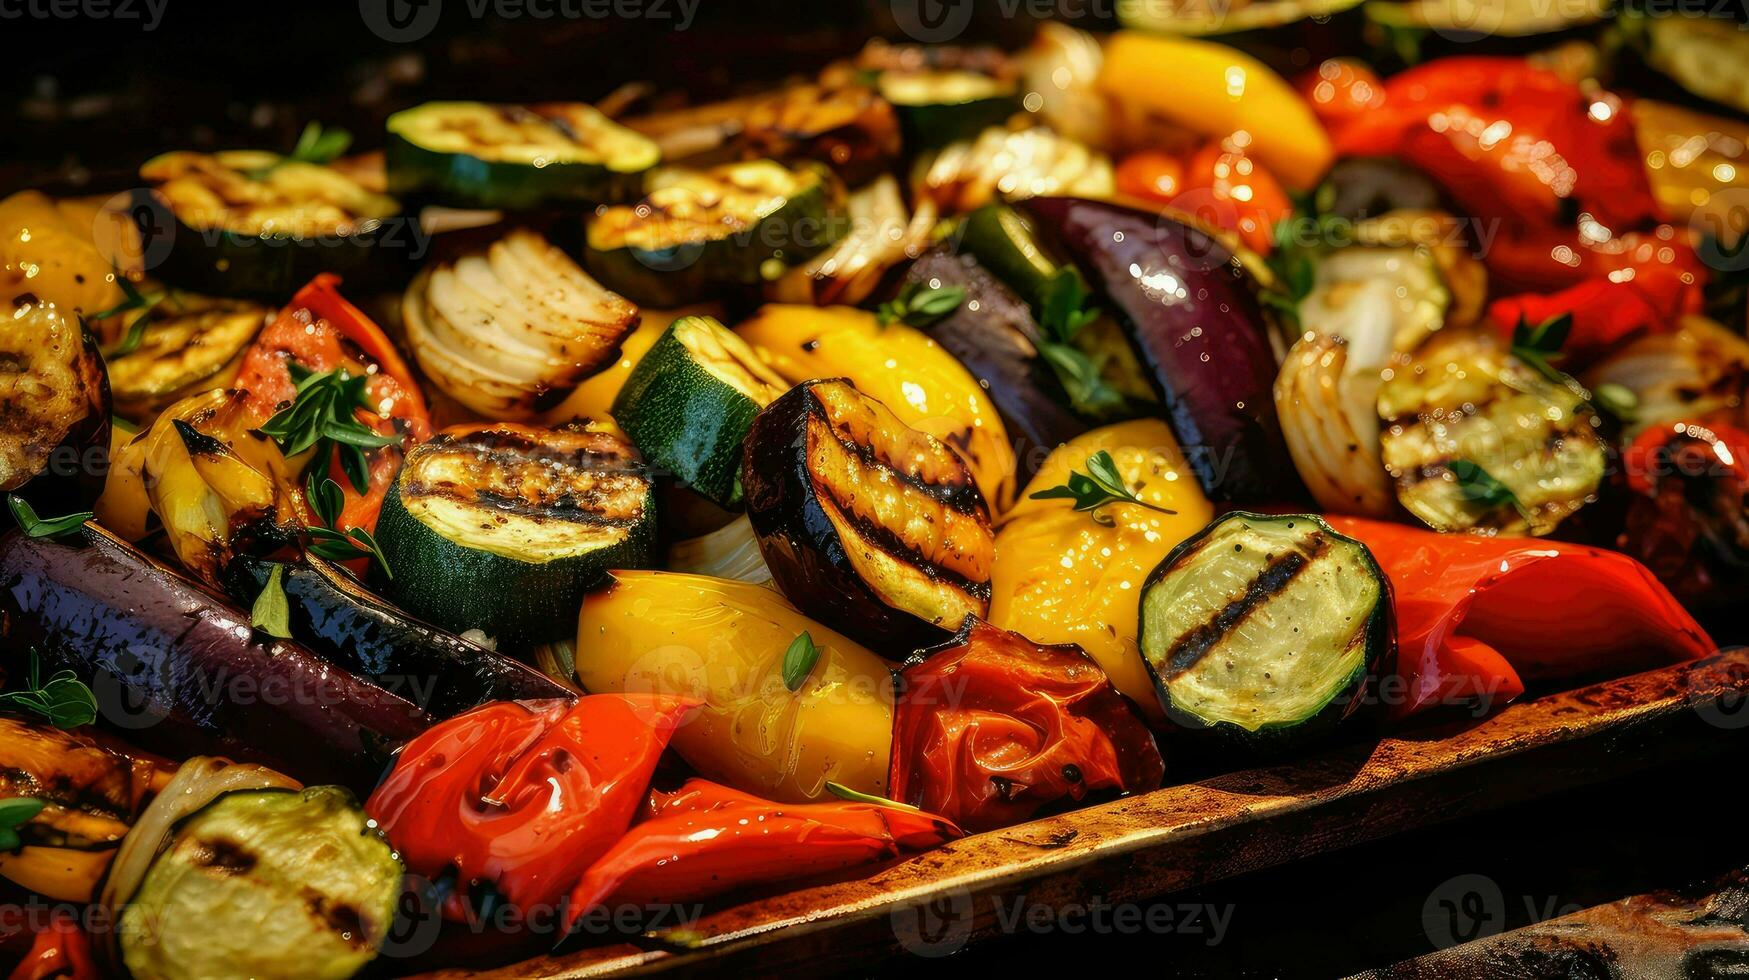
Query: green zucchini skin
{"x": 686, "y": 421}
{"x": 692, "y": 270}
{"x": 465, "y": 180}
{"x": 520, "y": 604}
{"x": 926, "y": 127}
{"x": 1342, "y": 700}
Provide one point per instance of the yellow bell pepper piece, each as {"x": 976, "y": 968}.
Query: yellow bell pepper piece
{"x": 63, "y": 252}
{"x": 898, "y": 365}
{"x": 1217, "y": 91}
{"x": 1062, "y": 577}
{"x": 723, "y": 642}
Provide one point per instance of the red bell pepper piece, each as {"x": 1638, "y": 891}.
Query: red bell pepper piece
{"x": 1688, "y": 513}
{"x": 322, "y": 331}
{"x": 706, "y": 839}
{"x": 1477, "y": 617}
{"x": 993, "y": 727}
{"x": 60, "y": 951}
{"x": 524, "y": 794}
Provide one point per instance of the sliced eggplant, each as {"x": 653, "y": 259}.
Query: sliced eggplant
{"x": 54, "y": 410}
{"x": 1192, "y": 310}
{"x": 1001, "y": 164}
{"x": 182, "y": 672}
{"x": 190, "y": 344}
{"x": 866, "y": 525}
{"x": 1480, "y": 441}
{"x": 253, "y": 223}
{"x": 510, "y": 330}
{"x": 1265, "y": 627}
{"x": 513, "y": 157}
{"x": 502, "y": 527}
{"x": 265, "y": 883}
{"x": 700, "y": 232}
{"x": 333, "y": 615}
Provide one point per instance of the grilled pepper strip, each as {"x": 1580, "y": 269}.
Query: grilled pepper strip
{"x": 992, "y": 727}
{"x": 60, "y": 950}
{"x": 706, "y": 839}
{"x": 525, "y": 794}
{"x": 1478, "y": 617}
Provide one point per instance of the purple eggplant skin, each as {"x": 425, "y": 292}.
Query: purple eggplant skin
{"x": 356, "y": 631}
{"x": 180, "y": 672}
{"x": 994, "y": 335}
{"x": 1191, "y": 309}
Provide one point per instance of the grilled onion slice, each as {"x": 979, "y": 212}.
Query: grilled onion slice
{"x": 866, "y": 524}
{"x": 513, "y": 329}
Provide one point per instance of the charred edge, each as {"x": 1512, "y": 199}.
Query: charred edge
{"x": 1277, "y": 575}
{"x": 223, "y": 857}
{"x": 960, "y": 495}
{"x": 197, "y": 442}
{"x": 880, "y": 536}
{"x": 585, "y": 508}
{"x": 510, "y": 449}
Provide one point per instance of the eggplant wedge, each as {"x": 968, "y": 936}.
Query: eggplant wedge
{"x": 265, "y": 883}
{"x": 513, "y": 157}
{"x": 1266, "y": 628}
{"x": 189, "y": 344}
{"x": 54, "y": 410}
{"x": 511, "y": 330}
{"x": 502, "y": 527}
{"x": 1192, "y": 311}
{"x": 182, "y": 672}
{"x": 256, "y": 224}
{"x": 867, "y": 525}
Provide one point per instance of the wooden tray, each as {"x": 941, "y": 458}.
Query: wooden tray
{"x": 1185, "y": 835}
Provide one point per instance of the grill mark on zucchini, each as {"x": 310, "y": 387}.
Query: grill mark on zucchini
{"x": 1276, "y": 577}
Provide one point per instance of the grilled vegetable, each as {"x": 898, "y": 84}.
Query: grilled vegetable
{"x": 724, "y": 643}
{"x": 1381, "y": 300}
{"x": 1699, "y": 371}
{"x": 1688, "y": 510}
{"x": 846, "y": 126}
{"x": 501, "y": 527}
{"x": 1000, "y": 164}
{"x": 702, "y": 232}
{"x": 66, "y": 253}
{"x": 252, "y": 223}
{"x": 1063, "y": 577}
{"x": 898, "y": 366}
{"x": 358, "y": 632}
{"x": 937, "y": 107}
{"x": 474, "y": 155}
{"x": 731, "y": 551}
{"x": 1265, "y": 627}
{"x": 92, "y": 788}
{"x": 1329, "y": 418}
{"x": 687, "y": 405}
{"x": 1358, "y": 188}
{"x": 1704, "y": 54}
{"x": 189, "y": 345}
{"x": 511, "y": 330}
{"x": 182, "y": 671}
{"x": 1192, "y": 309}
{"x": 265, "y": 883}
{"x": 881, "y": 235}
{"x": 54, "y": 409}
{"x": 1192, "y": 19}
{"x": 1478, "y": 440}
{"x": 865, "y": 523}
{"x": 994, "y": 335}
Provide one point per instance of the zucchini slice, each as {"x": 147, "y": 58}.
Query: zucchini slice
{"x": 190, "y": 344}
{"x": 474, "y": 155}
{"x": 938, "y": 107}
{"x": 867, "y": 525}
{"x": 54, "y": 409}
{"x": 511, "y": 330}
{"x": 265, "y": 883}
{"x": 502, "y": 527}
{"x": 702, "y": 231}
{"x": 1002, "y": 165}
{"x": 1265, "y": 626}
{"x": 254, "y": 223}
{"x": 688, "y": 404}
{"x": 1465, "y": 404}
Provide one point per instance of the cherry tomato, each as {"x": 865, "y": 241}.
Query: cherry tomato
{"x": 1151, "y": 175}
{"x": 1340, "y": 89}
{"x": 1245, "y": 198}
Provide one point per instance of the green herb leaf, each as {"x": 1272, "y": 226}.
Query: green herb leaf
{"x": 1481, "y": 487}
{"x": 799, "y": 660}
{"x": 1089, "y": 393}
{"x": 326, "y": 499}
{"x": 919, "y": 305}
{"x": 1102, "y": 484}
{"x": 132, "y": 301}
{"x": 1618, "y": 400}
{"x": 63, "y": 700}
{"x": 44, "y": 527}
{"x": 271, "y": 613}
{"x": 317, "y": 145}
{"x": 1540, "y": 346}
{"x": 844, "y": 792}
{"x": 1062, "y": 306}
{"x": 15, "y": 812}
{"x": 324, "y": 417}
